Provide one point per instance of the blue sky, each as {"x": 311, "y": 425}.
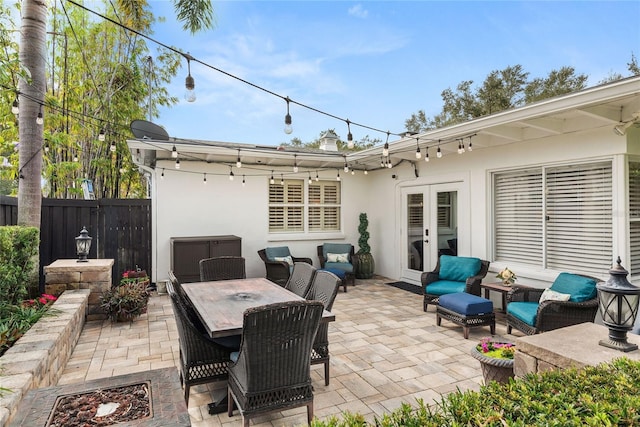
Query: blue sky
{"x": 375, "y": 62}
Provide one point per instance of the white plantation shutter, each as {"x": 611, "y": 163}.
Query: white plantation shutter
{"x": 415, "y": 211}
{"x": 286, "y": 206}
{"x": 634, "y": 217}
{"x": 518, "y": 216}
{"x": 324, "y": 206}
{"x": 578, "y": 218}
{"x": 444, "y": 210}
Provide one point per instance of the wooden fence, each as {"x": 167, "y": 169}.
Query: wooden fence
{"x": 120, "y": 228}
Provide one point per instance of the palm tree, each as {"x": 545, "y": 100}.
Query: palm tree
{"x": 196, "y": 15}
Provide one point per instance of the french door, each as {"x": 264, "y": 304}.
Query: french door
{"x": 429, "y": 227}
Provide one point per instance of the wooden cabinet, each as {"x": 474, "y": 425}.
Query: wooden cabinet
{"x": 186, "y": 253}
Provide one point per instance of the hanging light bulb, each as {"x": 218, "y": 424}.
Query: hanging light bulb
{"x": 112, "y": 147}
{"x": 272, "y": 181}
{"x": 238, "y": 162}
{"x": 470, "y": 146}
{"x": 439, "y": 152}
{"x": 162, "y": 174}
{"x": 353, "y": 171}
{"x": 317, "y": 177}
{"x": 383, "y": 164}
{"x": 204, "y": 180}
{"x": 418, "y": 154}
{"x": 46, "y": 147}
{"x": 385, "y": 149}
{"x": 346, "y": 166}
{"x": 101, "y": 135}
{"x": 426, "y": 154}
{"x": 459, "y": 148}
{"x": 40, "y": 119}
{"x": 177, "y": 164}
{"x": 350, "y": 142}
{"x": 295, "y": 163}
{"x": 174, "y": 152}
{"x": 137, "y": 155}
{"x": 281, "y": 179}
{"x": 338, "y": 176}
{"x": 231, "y": 176}
{"x": 366, "y": 172}
{"x": 243, "y": 181}
{"x": 287, "y": 120}
{"x": 189, "y": 83}
{"x": 389, "y": 164}
{"x": 310, "y": 180}
{"x": 75, "y": 157}
{"x": 15, "y": 108}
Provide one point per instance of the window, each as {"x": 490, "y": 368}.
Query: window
{"x": 555, "y": 217}
{"x": 634, "y": 217}
{"x": 446, "y": 202}
{"x": 287, "y": 206}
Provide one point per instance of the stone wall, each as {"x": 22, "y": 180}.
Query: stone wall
{"x": 38, "y": 358}
{"x": 574, "y": 346}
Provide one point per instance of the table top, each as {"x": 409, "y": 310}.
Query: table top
{"x": 221, "y": 304}
{"x": 498, "y": 286}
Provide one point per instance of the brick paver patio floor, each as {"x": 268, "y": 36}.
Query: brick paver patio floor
{"x": 384, "y": 351}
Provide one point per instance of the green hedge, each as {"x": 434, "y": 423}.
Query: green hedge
{"x": 605, "y": 395}
{"x": 18, "y": 251}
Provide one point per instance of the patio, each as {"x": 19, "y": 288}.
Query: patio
{"x": 385, "y": 350}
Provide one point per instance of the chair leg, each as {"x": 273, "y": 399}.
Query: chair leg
{"x": 310, "y": 412}
{"x": 229, "y": 402}
{"x": 508, "y": 328}
{"x": 186, "y": 393}
{"x": 466, "y": 332}
{"x": 326, "y": 373}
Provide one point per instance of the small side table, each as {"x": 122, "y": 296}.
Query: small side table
{"x": 499, "y": 287}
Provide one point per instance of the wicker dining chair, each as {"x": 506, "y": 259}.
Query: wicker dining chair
{"x": 300, "y": 280}
{"x": 324, "y": 288}
{"x": 278, "y": 270}
{"x": 271, "y": 371}
{"x": 222, "y": 268}
{"x": 201, "y": 360}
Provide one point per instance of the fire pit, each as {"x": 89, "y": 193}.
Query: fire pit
{"x": 143, "y": 399}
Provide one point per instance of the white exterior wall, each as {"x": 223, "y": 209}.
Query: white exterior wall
{"x": 184, "y": 206}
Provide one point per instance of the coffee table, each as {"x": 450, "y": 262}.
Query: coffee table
{"x": 499, "y": 287}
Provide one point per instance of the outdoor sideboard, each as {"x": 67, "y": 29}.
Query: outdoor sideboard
{"x": 66, "y": 274}
{"x": 572, "y": 346}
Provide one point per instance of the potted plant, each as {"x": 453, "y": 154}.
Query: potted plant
{"x": 366, "y": 264}
{"x": 496, "y": 359}
{"x": 129, "y": 298}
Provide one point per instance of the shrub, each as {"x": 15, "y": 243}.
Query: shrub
{"x": 15, "y": 320}
{"x": 604, "y": 395}
{"x": 18, "y": 251}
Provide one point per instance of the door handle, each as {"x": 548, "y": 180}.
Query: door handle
{"x": 426, "y": 240}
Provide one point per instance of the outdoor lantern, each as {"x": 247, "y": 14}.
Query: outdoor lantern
{"x": 618, "y": 301}
{"x": 83, "y": 244}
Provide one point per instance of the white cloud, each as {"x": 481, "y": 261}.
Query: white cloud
{"x": 358, "y": 11}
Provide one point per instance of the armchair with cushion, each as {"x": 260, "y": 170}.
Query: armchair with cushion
{"x": 279, "y": 262}
{"x": 340, "y": 259}
{"x": 571, "y": 299}
{"x": 453, "y": 274}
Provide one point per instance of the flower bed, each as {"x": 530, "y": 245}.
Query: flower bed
{"x": 38, "y": 358}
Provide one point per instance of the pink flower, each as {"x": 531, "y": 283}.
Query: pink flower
{"x": 49, "y": 297}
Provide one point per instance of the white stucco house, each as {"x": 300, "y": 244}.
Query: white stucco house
{"x": 549, "y": 187}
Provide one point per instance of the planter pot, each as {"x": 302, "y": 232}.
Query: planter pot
{"x": 493, "y": 369}
{"x": 366, "y": 266}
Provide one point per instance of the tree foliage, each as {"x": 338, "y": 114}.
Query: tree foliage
{"x": 502, "y": 90}
{"x": 364, "y": 143}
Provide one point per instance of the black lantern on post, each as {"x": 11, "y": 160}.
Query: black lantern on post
{"x": 83, "y": 244}
{"x": 618, "y": 307}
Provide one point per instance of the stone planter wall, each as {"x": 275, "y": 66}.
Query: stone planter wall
{"x": 39, "y": 356}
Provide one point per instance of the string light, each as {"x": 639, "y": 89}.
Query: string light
{"x": 317, "y": 177}
{"x": 174, "y": 152}
{"x": 418, "y": 154}
{"x": 112, "y": 147}
{"x": 439, "y": 152}
{"x": 46, "y": 147}
{"x": 346, "y": 166}
{"x": 426, "y": 154}
{"x": 287, "y": 120}
{"x": 101, "y": 135}
{"x": 310, "y": 180}
{"x": 15, "y": 108}
{"x": 385, "y": 149}
{"x": 350, "y": 142}
{"x": 162, "y": 174}
{"x": 75, "y": 157}
{"x": 177, "y": 165}
{"x": 366, "y": 172}
{"x": 238, "y": 162}
{"x": 231, "y": 174}
{"x": 338, "y": 176}
{"x": 389, "y": 164}
{"x": 470, "y": 146}
{"x": 189, "y": 83}
{"x": 243, "y": 181}
{"x": 281, "y": 179}
{"x": 40, "y": 119}
{"x": 383, "y": 164}
{"x": 272, "y": 181}
{"x": 353, "y": 171}
{"x": 204, "y": 180}
{"x": 295, "y": 163}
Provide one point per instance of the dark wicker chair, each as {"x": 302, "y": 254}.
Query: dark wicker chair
{"x": 550, "y": 314}
{"x": 349, "y": 268}
{"x": 201, "y": 360}
{"x": 471, "y": 285}
{"x": 271, "y": 372}
{"x": 324, "y": 289}
{"x": 222, "y": 268}
{"x": 300, "y": 280}
{"x": 279, "y": 271}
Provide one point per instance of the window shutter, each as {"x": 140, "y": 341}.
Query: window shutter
{"x": 324, "y": 206}
{"x": 578, "y": 218}
{"x": 518, "y": 216}
{"x": 286, "y": 206}
{"x": 634, "y": 217}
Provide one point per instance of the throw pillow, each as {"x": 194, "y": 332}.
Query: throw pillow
{"x": 549, "y": 295}
{"x": 337, "y": 257}
{"x": 286, "y": 259}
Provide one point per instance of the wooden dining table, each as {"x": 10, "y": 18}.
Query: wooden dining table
{"x": 221, "y": 304}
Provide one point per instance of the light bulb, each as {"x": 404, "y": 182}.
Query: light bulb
{"x": 281, "y": 180}
{"x": 177, "y": 164}
{"x": 190, "y": 92}
{"x": 243, "y": 181}
{"x": 174, "y": 152}
{"x": 350, "y": 144}
{"x": 112, "y": 147}
{"x": 317, "y": 177}
{"x": 39, "y": 119}
{"x": 204, "y": 180}
{"x": 385, "y": 149}
{"x": 231, "y": 175}
{"x": 470, "y": 146}
{"x": 439, "y": 153}
{"x": 238, "y": 163}
{"x": 162, "y": 174}
{"x": 366, "y": 172}
{"x": 353, "y": 171}
{"x": 346, "y": 167}
{"x": 46, "y": 148}
{"x": 75, "y": 158}
{"x": 288, "y": 129}
{"x": 389, "y": 165}
{"x": 426, "y": 155}
{"x": 418, "y": 154}
{"x": 338, "y": 177}
{"x": 101, "y": 135}
{"x": 310, "y": 180}
{"x": 15, "y": 109}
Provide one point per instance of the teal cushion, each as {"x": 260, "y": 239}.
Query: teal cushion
{"x": 344, "y": 266}
{"x": 458, "y": 268}
{"x": 525, "y": 311}
{"x": 580, "y": 288}
{"x": 279, "y": 251}
{"x": 443, "y": 287}
{"x": 336, "y": 248}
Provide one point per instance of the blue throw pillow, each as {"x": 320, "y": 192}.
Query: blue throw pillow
{"x": 580, "y": 288}
{"x": 457, "y": 268}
